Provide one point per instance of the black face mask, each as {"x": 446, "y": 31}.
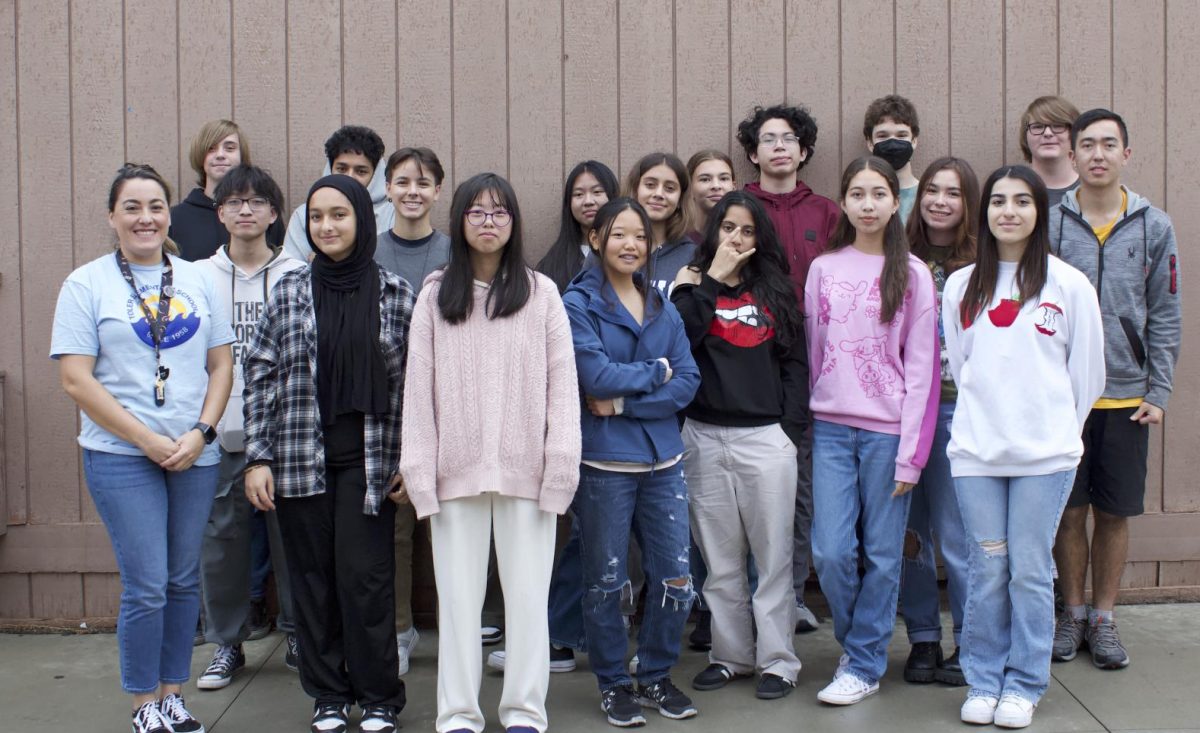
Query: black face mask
{"x": 895, "y": 151}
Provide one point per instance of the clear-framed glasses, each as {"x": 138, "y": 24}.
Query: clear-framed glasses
{"x": 771, "y": 139}
{"x": 258, "y": 204}
{"x": 1037, "y": 128}
{"x": 499, "y": 217}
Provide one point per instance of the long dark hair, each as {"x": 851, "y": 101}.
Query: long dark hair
{"x": 893, "y": 281}
{"x": 564, "y": 260}
{"x": 765, "y": 273}
{"x": 1031, "y": 270}
{"x": 962, "y": 252}
{"x": 602, "y": 227}
{"x": 510, "y": 288}
{"x": 677, "y": 224}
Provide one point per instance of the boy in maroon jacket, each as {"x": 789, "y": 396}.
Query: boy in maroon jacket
{"x": 778, "y": 141}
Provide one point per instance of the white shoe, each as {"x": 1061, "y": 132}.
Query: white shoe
{"x": 979, "y": 709}
{"x": 846, "y": 689}
{"x": 490, "y": 635}
{"x": 633, "y": 666}
{"x": 1014, "y": 711}
{"x": 406, "y": 642}
{"x": 843, "y": 665}
{"x": 562, "y": 659}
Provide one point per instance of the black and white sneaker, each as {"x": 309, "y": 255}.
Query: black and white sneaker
{"x": 330, "y": 717}
{"x": 670, "y": 701}
{"x": 622, "y": 707}
{"x": 259, "y": 621}
{"x": 491, "y": 635}
{"x": 228, "y": 659}
{"x": 378, "y": 719}
{"x": 148, "y": 719}
{"x": 291, "y": 658}
{"x": 177, "y": 717}
{"x": 714, "y": 677}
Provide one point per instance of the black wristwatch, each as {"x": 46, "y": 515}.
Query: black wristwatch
{"x": 208, "y": 431}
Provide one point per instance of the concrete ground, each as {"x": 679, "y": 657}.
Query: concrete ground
{"x": 71, "y": 683}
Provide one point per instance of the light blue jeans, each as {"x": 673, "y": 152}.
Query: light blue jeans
{"x": 934, "y": 514}
{"x": 853, "y": 479}
{"x": 155, "y": 519}
{"x": 1008, "y": 625}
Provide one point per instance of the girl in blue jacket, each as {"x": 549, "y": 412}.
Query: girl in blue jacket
{"x": 636, "y": 372}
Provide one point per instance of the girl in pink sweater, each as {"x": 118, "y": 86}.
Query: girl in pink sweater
{"x": 490, "y": 442}
{"x": 873, "y": 364}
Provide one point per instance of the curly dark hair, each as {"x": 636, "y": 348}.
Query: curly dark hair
{"x": 798, "y": 118}
{"x": 892, "y": 107}
{"x": 355, "y": 139}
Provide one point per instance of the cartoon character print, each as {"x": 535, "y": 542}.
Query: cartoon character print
{"x": 837, "y": 300}
{"x": 938, "y": 270}
{"x": 877, "y": 375}
{"x": 1047, "y": 318}
{"x": 741, "y": 321}
{"x": 828, "y": 359}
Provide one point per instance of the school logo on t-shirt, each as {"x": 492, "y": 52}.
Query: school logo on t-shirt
{"x": 183, "y": 320}
{"x": 741, "y": 321}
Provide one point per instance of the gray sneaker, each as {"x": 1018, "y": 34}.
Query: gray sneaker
{"x": 1068, "y": 637}
{"x": 806, "y": 620}
{"x": 1105, "y": 644}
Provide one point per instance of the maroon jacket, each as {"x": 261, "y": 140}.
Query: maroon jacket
{"x": 804, "y": 221}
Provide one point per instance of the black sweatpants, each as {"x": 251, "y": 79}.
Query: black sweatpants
{"x": 342, "y": 564}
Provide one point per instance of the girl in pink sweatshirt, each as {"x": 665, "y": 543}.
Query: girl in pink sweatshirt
{"x": 490, "y": 444}
{"x": 873, "y": 365}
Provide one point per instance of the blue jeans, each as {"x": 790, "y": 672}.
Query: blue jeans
{"x": 934, "y": 513}
{"x": 566, "y": 596}
{"x": 853, "y": 479}
{"x": 155, "y": 519}
{"x": 1008, "y": 627}
{"x": 607, "y": 505}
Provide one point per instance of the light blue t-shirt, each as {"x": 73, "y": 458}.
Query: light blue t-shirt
{"x": 908, "y": 198}
{"x": 98, "y": 316}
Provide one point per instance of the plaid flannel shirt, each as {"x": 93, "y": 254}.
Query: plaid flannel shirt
{"x": 282, "y": 421}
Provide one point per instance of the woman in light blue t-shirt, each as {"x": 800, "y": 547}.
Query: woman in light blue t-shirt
{"x": 144, "y": 351}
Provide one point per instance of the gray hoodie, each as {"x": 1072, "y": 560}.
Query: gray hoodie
{"x": 1136, "y": 276}
{"x": 246, "y": 293}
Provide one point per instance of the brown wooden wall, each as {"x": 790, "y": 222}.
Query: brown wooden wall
{"x": 527, "y": 88}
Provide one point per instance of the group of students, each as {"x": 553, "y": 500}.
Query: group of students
{"x": 703, "y": 377}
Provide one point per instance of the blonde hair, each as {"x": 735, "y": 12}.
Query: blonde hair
{"x": 1049, "y": 109}
{"x": 210, "y": 134}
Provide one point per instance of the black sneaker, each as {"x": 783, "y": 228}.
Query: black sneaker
{"x": 950, "y": 672}
{"x": 148, "y": 719}
{"x": 923, "y": 661}
{"x": 177, "y": 716}
{"x": 291, "y": 658}
{"x": 701, "y": 636}
{"x": 714, "y": 677}
{"x": 259, "y": 621}
{"x": 330, "y": 717}
{"x": 669, "y": 700}
{"x": 228, "y": 659}
{"x": 378, "y": 719}
{"x": 622, "y": 707}
{"x": 773, "y": 687}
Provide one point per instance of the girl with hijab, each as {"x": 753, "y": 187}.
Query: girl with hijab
{"x": 324, "y": 385}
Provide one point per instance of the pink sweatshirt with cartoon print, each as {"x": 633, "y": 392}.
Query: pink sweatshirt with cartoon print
{"x": 865, "y": 374}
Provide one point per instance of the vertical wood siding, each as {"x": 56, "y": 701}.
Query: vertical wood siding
{"x": 528, "y": 88}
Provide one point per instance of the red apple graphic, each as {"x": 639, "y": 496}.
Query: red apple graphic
{"x": 1003, "y": 315}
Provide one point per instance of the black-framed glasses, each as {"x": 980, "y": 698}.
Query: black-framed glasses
{"x": 258, "y": 204}
{"x": 1038, "y": 128}
{"x": 499, "y": 217}
{"x": 771, "y": 139}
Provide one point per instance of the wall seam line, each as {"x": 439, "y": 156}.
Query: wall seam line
{"x": 79, "y": 487}
{"x": 20, "y": 262}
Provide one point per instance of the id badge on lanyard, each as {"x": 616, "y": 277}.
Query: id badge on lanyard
{"x": 156, "y": 320}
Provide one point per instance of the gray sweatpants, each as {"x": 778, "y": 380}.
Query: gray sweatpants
{"x": 742, "y": 490}
{"x": 225, "y": 560}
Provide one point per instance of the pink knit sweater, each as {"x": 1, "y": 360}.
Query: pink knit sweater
{"x": 491, "y": 404}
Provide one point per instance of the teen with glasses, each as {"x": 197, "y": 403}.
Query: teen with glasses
{"x": 1045, "y": 141}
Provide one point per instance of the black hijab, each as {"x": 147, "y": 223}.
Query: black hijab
{"x": 351, "y": 373}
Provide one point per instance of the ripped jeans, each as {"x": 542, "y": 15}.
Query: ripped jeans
{"x": 606, "y": 505}
{"x": 1008, "y": 623}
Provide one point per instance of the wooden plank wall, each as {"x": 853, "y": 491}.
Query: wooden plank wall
{"x": 527, "y": 88}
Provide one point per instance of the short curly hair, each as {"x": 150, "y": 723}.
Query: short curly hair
{"x": 892, "y": 107}
{"x": 355, "y": 139}
{"x": 798, "y": 118}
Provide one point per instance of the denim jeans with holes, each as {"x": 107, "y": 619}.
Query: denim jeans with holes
{"x": 606, "y": 506}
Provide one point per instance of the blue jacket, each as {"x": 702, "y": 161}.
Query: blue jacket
{"x": 616, "y": 357}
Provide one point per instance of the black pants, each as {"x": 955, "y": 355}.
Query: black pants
{"x": 342, "y": 564}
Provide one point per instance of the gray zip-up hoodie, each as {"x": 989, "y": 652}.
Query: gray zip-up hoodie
{"x": 1136, "y": 276}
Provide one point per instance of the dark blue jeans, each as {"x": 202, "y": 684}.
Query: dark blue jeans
{"x": 654, "y": 505}
{"x": 566, "y": 596}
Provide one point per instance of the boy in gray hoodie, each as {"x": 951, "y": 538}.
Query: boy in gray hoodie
{"x": 1127, "y": 249}
{"x": 248, "y": 201}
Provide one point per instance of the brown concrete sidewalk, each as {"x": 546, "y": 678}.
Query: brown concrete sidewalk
{"x": 70, "y": 683}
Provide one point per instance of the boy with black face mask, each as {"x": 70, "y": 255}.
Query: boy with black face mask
{"x": 891, "y": 129}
